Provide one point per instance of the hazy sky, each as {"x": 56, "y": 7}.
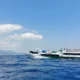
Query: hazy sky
{"x": 56, "y": 22}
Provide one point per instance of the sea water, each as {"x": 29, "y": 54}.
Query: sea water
{"x": 25, "y": 67}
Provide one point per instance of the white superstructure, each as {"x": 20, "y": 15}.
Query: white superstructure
{"x": 71, "y": 53}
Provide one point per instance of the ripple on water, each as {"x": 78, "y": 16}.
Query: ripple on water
{"x": 21, "y": 67}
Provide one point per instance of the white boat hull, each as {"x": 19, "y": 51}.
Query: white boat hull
{"x": 59, "y": 54}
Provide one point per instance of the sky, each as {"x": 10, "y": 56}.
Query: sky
{"x": 44, "y": 24}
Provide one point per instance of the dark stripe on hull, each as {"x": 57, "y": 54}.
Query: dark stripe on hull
{"x": 71, "y": 53}
{"x": 51, "y": 55}
{"x": 57, "y": 56}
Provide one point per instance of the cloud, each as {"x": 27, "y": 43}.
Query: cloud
{"x": 31, "y": 36}
{"x": 5, "y": 43}
{"x": 21, "y": 40}
{"x": 6, "y": 28}
{"x": 8, "y": 45}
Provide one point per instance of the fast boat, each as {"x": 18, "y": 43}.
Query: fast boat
{"x": 36, "y": 54}
{"x": 63, "y": 53}
{"x": 44, "y": 53}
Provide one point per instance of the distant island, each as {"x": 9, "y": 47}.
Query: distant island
{"x": 5, "y": 52}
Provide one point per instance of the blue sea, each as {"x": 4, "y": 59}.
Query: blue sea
{"x": 25, "y": 67}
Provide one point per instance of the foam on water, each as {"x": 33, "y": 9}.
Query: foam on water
{"x": 38, "y": 56}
